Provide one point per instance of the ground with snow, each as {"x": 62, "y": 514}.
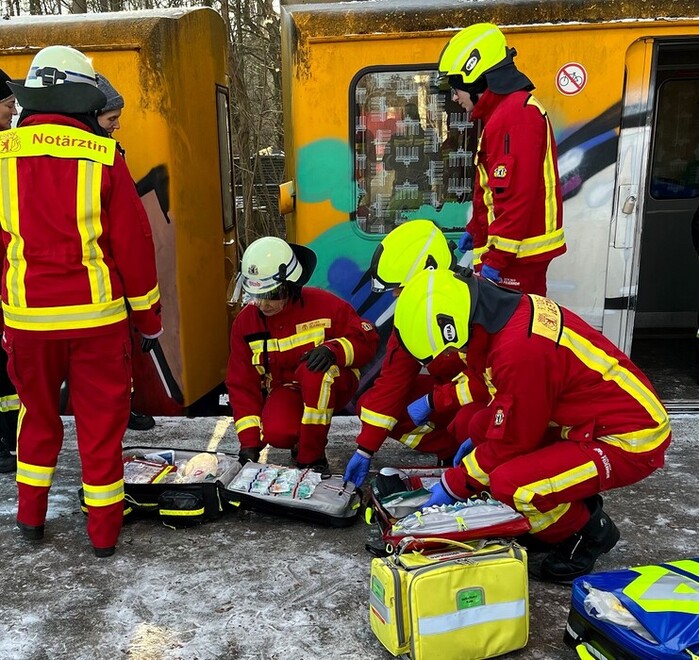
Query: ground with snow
{"x": 251, "y": 586}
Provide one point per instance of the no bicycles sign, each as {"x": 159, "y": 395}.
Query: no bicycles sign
{"x": 571, "y": 78}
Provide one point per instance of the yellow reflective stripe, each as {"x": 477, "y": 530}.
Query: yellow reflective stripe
{"x": 524, "y": 495}
{"x": 247, "y": 422}
{"x": 658, "y": 589}
{"x": 89, "y": 223}
{"x": 531, "y": 246}
{"x": 326, "y": 386}
{"x": 66, "y": 317}
{"x": 347, "y": 348}
{"x": 16, "y": 263}
{"x": 182, "y": 512}
{"x": 141, "y": 303}
{"x": 59, "y": 142}
{"x": 315, "y": 336}
{"x": 474, "y": 469}
{"x": 549, "y": 174}
{"x": 9, "y": 402}
{"x": 34, "y": 475}
{"x": 377, "y": 419}
{"x": 641, "y": 440}
{"x": 316, "y": 416}
{"x": 463, "y": 390}
{"x": 414, "y": 437}
{"x": 487, "y": 193}
{"x": 104, "y": 495}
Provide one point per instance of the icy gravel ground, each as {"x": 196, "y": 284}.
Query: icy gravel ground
{"x": 253, "y": 586}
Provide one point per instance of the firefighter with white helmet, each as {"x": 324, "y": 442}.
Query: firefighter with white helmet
{"x": 295, "y": 354}
{"x": 516, "y": 228}
{"x": 571, "y": 416}
{"x": 414, "y": 408}
{"x": 77, "y": 249}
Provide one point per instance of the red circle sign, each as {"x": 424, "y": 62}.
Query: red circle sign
{"x": 571, "y": 79}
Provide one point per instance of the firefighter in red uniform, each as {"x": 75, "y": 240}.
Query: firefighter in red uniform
{"x": 76, "y": 245}
{"x": 572, "y": 416}
{"x": 295, "y": 355}
{"x": 516, "y": 228}
{"x": 385, "y": 409}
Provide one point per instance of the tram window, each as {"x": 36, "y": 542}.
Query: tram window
{"x": 226, "y": 161}
{"x": 413, "y": 147}
{"x": 675, "y": 169}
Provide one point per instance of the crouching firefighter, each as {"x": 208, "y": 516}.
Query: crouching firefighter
{"x": 77, "y": 246}
{"x": 295, "y": 355}
{"x": 411, "y": 404}
{"x": 572, "y": 416}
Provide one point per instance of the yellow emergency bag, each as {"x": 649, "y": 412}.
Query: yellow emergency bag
{"x": 436, "y": 598}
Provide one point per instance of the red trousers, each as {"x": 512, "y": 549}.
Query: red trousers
{"x": 98, "y": 370}
{"x": 527, "y": 277}
{"x": 300, "y": 413}
{"x": 550, "y": 485}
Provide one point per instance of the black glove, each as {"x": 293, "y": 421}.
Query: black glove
{"x": 147, "y": 345}
{"x": 321, "y": 358}
{"x": 248, "y": 454}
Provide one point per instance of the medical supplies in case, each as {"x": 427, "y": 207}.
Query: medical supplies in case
{"x": 296, "y": 492}
{"x": 397, "y": 506}
{"x": 450, "y": 600}
{"x": 182, "y": 486}
{"x": 649, "y": 612}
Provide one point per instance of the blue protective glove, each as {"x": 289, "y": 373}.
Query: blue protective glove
{"x": 439, "y": 496}
{"x": 421, "y": 409}
{"x": 357, "y": 468}
{"x": 466, "y": 242}
{"x": 490, "y": 273}
{"x": 465, "y": 449}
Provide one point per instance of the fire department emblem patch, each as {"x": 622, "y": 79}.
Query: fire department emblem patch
{"x": 500, "y": 172}
{"x": 252, "y": 269}
{"x": 499, "y": 417}
{"x": 10, "y": 142}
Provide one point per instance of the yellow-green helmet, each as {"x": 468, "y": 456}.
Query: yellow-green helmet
{"x": 473, "y": 51}
{"x": 407, "y": 250}
{"x": 433, "y": 313}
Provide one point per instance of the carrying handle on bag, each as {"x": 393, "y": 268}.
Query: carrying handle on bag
{"x": 471, "y": 547}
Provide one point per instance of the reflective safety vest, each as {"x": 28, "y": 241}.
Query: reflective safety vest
{"x": 76, "y": 239}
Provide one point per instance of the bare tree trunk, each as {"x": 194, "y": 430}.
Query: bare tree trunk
{"x": 78, "y": 7}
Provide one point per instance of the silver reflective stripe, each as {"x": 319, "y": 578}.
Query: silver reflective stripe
{"x": 383, "y": 611}
{"x": 473, "y": 616}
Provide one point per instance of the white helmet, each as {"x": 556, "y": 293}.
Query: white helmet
{"x": 60, "y": 79}
{"x": 269, "y": 262}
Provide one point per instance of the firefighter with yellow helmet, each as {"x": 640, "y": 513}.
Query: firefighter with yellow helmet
{"x": 386, "y": 409}
{"x": 572, "y": 416}
{"x": 517, "y": 225}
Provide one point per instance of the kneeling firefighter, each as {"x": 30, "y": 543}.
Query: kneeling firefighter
{"x": 572, "y": 416}
{"x": 295, "y": 354}
{"x": 414, "y": 408}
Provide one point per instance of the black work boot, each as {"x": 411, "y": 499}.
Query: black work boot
{"x": 320, "y": 465}
{"x": 8, "y": 461}
{"x": 577, "y": 555}
{"x": 31, "y": 532}
{"x": 139, "y": 422}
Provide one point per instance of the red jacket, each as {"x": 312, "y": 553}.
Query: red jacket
{"x": 76, "y": 241}
{"x": 557, "y": 377}
{"x": 266, "y": 351}
{"x": 386, "y": 401}
{"x": 517, "y": 206}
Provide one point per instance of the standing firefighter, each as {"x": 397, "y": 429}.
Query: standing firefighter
{"x": 572, "y": 416}
{"x": 414, "y": 408}
{"x": 77, "y": 245}
{"x": 295, "y": 352}
{"x": 517, "y": 225}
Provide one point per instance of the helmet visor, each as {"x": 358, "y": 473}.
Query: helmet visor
{"x": 279, "y": 293}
